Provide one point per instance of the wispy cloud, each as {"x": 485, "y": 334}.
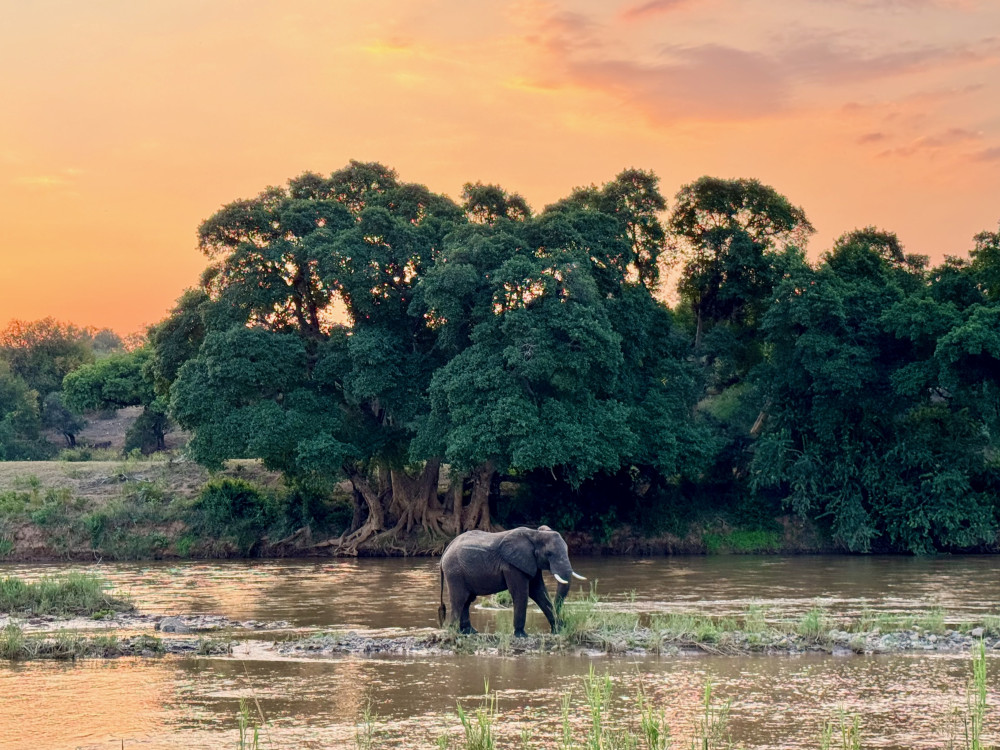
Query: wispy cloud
{"x": 988, "y": 154}
{"x": 707, "y": 81}
{"x": 62, "y": 178}
{"x": 642, "y": 11}
{"x": 725, "y": 81}
{"x": 872, "y": 138}
{"x": 827, "y": 61}
{"x": 902, "y": 4}
{"x": 934, "y": 142}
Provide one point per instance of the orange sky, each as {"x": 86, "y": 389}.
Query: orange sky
{"x": 123, "y": 124}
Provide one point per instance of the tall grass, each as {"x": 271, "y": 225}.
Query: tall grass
{"x": 841, "y": 733}
{"x": 72, "y": 594}
{"x": 975, "y": 701}
{"x": 364, "y": 736}
{"x": 712, "y": 727}
{"x": 249, "y": 731}
{"x": 478, "y": 726}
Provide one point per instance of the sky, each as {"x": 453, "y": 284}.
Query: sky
{"x": 125, "y": 124}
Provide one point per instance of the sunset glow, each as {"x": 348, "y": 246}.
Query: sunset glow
{"x": 124, "y": 124}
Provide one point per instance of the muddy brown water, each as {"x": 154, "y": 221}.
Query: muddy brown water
{"x": 776, "y": 701}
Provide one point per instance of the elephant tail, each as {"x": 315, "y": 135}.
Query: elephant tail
{"x": 442, "y": 610}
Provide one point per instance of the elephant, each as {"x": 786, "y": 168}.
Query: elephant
{"x": 479, "y": 563}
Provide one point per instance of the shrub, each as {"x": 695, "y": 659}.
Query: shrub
{"x": 236, "y": 511}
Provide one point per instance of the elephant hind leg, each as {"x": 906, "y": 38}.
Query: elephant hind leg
{"x": 465, "y": 625}
{"x": 460, "y": 599}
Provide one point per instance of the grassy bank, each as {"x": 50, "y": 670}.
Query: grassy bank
{"x": 143, "y": 509}
{"x": 71, "y": 595}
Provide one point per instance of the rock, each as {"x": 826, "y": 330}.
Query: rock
{"x": 173, "y": 625}
{"x": 932, "y": 638}
{"x": 977, "y": 632}
{"x": 841, "y": 651}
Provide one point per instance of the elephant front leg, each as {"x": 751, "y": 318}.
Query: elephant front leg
{"x": 517, "y": 585}
{"x": 540, "y": 596}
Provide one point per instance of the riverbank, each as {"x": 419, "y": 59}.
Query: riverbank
{"x": 156, "y": 509}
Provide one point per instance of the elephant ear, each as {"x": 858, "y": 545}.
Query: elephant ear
{"x": 518, "y": 549}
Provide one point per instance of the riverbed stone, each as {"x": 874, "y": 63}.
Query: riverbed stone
{"x": 173, "y": 625}
{"x": 977, "y": 632}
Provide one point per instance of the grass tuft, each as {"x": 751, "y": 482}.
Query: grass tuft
{"x": 72, "y": 594}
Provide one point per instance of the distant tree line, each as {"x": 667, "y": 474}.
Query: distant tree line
{"x": 358, "y": 327}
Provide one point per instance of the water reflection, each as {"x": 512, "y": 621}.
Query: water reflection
{"x": 404, "y": 592}
{"x": 906, "y": 702}
{"x": 778, "y": 702}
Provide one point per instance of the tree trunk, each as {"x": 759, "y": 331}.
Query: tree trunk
{"x": 376, "y": 511}
{"x": 359, "y": 510}
{"x": 477, "y": 515}
{"x": 412, "y": 497}
{"x": 456, "y": 494}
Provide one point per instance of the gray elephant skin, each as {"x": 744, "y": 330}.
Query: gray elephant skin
{"x": 480, "y": 563}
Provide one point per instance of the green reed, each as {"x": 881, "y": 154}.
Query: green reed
{"x": 843, "y": 732}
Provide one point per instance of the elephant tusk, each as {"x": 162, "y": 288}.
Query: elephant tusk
{"x": 579, "y": 577}
{"x": 561, "y": 580}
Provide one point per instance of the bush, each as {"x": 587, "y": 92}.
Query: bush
{"x": 237, "y": 511}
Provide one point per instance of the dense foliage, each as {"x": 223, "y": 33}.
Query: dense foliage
{"x": 356, "y": 327}
{"x": 35, "y": 356}
{"x": 359, "y": 327}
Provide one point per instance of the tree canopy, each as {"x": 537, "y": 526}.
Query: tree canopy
{"x": 353, "y": 326}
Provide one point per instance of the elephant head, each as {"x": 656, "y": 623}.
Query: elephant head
{"x": 531, "y": 550}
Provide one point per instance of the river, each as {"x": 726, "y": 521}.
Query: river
{"x": 904, "y": 701}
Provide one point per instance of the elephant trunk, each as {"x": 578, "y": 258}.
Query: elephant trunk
{"x": 562, "y": 570}
{"x": 562, "y": 591}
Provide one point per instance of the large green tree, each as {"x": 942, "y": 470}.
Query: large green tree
{"x": 43, "y": 352}
{"x": 739, "y": 239}
{"x": 865, "y": 427}
{"x": 311, "y": 358}
{"x": 561, "y": 359}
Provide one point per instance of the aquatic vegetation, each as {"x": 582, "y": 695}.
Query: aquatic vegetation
{"x": 479, "y": 726}
{"x": 72, "y": 594}
{"x": 248, "y": 728}
{"x": 843, "y": 732}
{"x": 813, "y": 623}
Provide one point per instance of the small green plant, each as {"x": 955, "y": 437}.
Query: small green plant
{"x": 479, "y": 727}
{"x": 841, "y": 733}
{"x": 597, "y": 691}
{"x": 249, "y": 731}
{"x": 149, "y": 643}
{"x": 754, "y": 621}
{"x": 653, "y": 728}
{"x": 364, "y": 735}
{"x": 813, "y": 623}
{"x": 500, "y": 600}
{"x": 712, "y": 728}
{"x": 566, "y": 734}
{"x": 974, "y": 719}
{"x": 11, "y": 642}
{"x": 932, "y": 622}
